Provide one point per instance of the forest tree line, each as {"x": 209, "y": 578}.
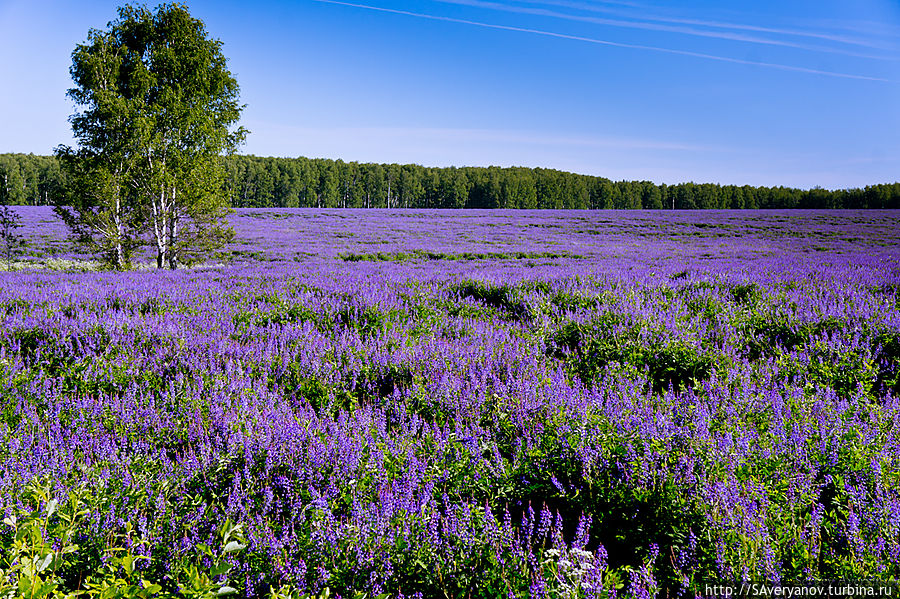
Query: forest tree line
{"x": 263, "y": 182}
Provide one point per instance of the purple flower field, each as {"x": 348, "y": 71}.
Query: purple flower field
{"x": 459, "y": 404}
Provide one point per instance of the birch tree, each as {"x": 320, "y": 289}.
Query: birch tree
{"x": 11, "y": 242}
{"x": 158, "y": 109}
{"x": 98, "y": 207}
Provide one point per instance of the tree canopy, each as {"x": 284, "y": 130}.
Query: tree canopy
{"x": 156, "y": 113}
{"x": 257, "y": 182}
{"x": 11, "y": 242}
{"x": 260, "y": 182}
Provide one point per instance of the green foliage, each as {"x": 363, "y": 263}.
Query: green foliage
{"x": 279, "y": 315}
{"x": 253, "y": 181}
{"x": 325, "y": 399}
{"x": 626, "y": 516}
{"x": 770, "y": 333}
{"x": 40, "y": 558}
{"x": 461, "y": 568}
{"x": 573, "y": 302}
{"x": 156, "y": 107}
{"x": 886, "y": 349}
{"x": 847, "y": 372}
{"x": 587, "y": 349}
{"x": 429, "y": 255}
{"x": 11, "y": 242}
{"x": 119, "y": 576}
{"x": 38, "y": 544}
{"x": 368, "y": 321}
{"x": 96, "y": 207}
{"x": 200, "y": 582}
{"x": 748, "y": 293}
{"x": 501, "y": 297}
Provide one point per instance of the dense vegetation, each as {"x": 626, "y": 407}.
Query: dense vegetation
{"x": 446, "y": 405}
{"x": 303, "y": 182}
{"x": 156, "y": 108}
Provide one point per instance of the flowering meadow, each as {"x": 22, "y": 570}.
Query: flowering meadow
{"x": 464, "y": 404}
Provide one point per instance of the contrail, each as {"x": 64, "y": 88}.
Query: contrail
{"x": 716, "y": 24}
{"x": 579, "y": 38}
{"x": 668, "y": 25}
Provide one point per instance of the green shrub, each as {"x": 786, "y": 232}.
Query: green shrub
{"x": 496, "y": 296}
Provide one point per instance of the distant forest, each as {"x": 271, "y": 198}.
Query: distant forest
{"x": 258, "y": 182}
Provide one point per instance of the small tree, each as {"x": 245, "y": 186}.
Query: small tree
{"x": 12, "y": 242}
{"x": 97, "y": 208}
{"x": 157, "y": 109}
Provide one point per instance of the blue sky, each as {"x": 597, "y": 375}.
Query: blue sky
{"x": 795, "y": 93}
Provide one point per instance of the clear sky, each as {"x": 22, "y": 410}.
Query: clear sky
{"x": 771, "y": 92}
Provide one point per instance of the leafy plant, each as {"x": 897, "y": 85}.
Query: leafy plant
{"x": 11, "y": 240}
{"x": 205, "y": 583}
{"x": 38, "y": 544}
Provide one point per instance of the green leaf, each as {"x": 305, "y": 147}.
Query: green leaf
{"x": 128, "y": 564}
{"x": 150, "y": 587}
{"x": 233, "y": 547}
{"x": 45, "y": 563}
{"x": 219, "y": 568}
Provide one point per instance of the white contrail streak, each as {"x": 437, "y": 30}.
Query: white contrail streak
{"x": 831, "y": 37}
{"x": 667, "y": 25}
{"x": 579, "y": 38}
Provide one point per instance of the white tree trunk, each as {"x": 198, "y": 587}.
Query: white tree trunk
{"x": 160, "y": 230}
{"x": 119, "y": 233}
{"x": 173, "y": 234}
